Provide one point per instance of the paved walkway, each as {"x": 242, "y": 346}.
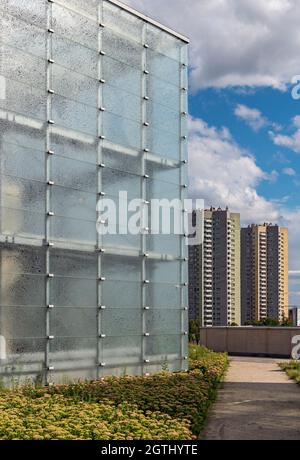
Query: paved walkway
{"x": 257, "y": 402}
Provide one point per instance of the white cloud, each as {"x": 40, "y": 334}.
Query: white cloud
{"x": 235, "y": 42}
{"x": 224, "y": 174}
{"x": 253, "y": 117}
{"x": 289, "y": 172}
{"x": 291, "y": 142}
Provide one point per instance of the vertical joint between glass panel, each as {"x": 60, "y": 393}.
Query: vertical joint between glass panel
{"x": 183, "y": 193}
{"x": 48, "y": 63}
{"x": 99, "y": 191}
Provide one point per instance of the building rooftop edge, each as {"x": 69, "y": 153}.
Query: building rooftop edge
{"x": 148, "y": 19}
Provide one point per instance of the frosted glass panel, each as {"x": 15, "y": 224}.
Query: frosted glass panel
{"x": 121, "y": 322}
{"x": 73, "y": 354}
{"x": 121, "y": 49}
{"x": 163, "y": 67}
{"x": 159, "y": 41}
{"x": 33, "y": 11}
{"x": 78, "y": 28}
{"x": 114, "y": 181}
{"x": 22, "y": 35}
{"x": 84, "y": 6}
{"x": 73, "y": 322}
{"x": 121, "y": 131}
{"x": 16, "y": 160}
{"x": 121, "y": 294}
{"x": 74, "y": 115}
{"x": 164, "y": 244}
{"x": 74, "y": 85}
{"x": 121, "y": 268}
{"x": 23, "y": 322}
{"x": 20, "y": 66}
{"x": 22, "y": 194}
{"x": 162, "y": 118}
{"x": 22, "y": 260}
{"x": 22, "y": 290}
{"x": 77, "y": 147}
{"x": 163, "y": 322}
{"x": 122, "y": 350}
{"x": 163, "y": 347}
{"x": 162, "y": 170}
{"x": 163, "y": 143}
{"x": 14, "y": 222}
{"x": 73, "y": 203}
{"x": 74, "y": 263}
{"x": 163, "y": 296}
{"x": 74, "y": 174}
{"x": 120, "y": 75}
{"x": 73, "y": 292}
{"x": 77, "y": 231}
{"x": 122, "y": 22}
{"x": 121, "y": 103}
{"x": 163, "y": 93}
{"x": 163, "y": 272}
{"x": 75, "y": 56}
{"x": 158, "y": 189}
{"x": 118, "y": 159}
{"x": 24, "y": 100}
{"x": 23, "y": 132}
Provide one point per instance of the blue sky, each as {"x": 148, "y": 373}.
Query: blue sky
{"x": 244, "y": 143}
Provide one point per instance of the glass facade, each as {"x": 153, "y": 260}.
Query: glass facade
{"x": 93, "y": 100}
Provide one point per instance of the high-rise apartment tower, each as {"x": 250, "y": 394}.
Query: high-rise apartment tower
{"x": 264, "y": 272}
{"x": 214, "y": 269}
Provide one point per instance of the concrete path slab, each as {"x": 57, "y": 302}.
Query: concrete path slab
{"x": 257, "y": 402}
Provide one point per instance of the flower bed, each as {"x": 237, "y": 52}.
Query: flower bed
{"x": 163, "y": 406}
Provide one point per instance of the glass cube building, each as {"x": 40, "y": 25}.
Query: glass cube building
{"x": 93, "y": 100}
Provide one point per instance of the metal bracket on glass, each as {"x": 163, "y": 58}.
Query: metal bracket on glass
{"x": 184, "y": 138}
{"x": 102, "y": 109}
{"x": 51, "y": 61}
{"x": 146, "y": 72}
{"x": 50, "y": 306}
{"x": 147, "y": 308}
{"x": 184, "y": 113}
{"x": 102, "y": 336}
{"x": 103, "y": 53}
{"x": 50, "y": 213}
{"x": 50, "y": 275}
{"x": 50, "y": 152}
{"x": 102, "y": 278}
{"x": 102, "y": 307}
{"x": 102, "y": 194}
{"x": 102, "y": 137}
{"x": 50, "y": 245}
{"x": 51, "y": 31}
{"x": 146, "y": 281}
{"x": 184, "y": 88}
{"x": 102, "y": 364}
{"x": 146, "y": 150}
{"x": 185, "y": 308}
{"x": 146, "y": 45}
{"x": 101, "y": 24}
{"x": 50, "y": 337}
{"x": 102, "y": 80}
{"x": 50, "y": 91}
{"x": 146, "y": 176}
{"x": 146, "y": 123}
{"x": 185, "y": 333}
{"x": 184, "y": 162}
{"x": 147, "y": 361}
{"x": 50, "y": 182}
{"x": 147, "y": 334}
{"x": 146, "y": 98}
{"x": 51, "y": 122}
{"x": 102, "y": 250}
{"x": 50, "y": 368}
{"x": 102, "y": 165}
{"x": 146, "y": 255}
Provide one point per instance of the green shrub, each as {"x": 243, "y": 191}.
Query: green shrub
{"x": 161, "y": 406}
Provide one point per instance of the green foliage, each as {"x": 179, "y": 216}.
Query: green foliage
{"x": 194, "y": 331}
{"x": 270, "y": 322}
{"x": 292, "y": 369}
{"x": 162, "y": 406}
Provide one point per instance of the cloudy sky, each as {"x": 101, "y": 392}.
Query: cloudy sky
{"x": 245, "y": 125}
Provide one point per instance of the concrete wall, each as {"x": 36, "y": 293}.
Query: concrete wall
{"x": 250, "y": 341}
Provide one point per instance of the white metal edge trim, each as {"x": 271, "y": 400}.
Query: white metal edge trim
{"x": 151, "y": 21}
